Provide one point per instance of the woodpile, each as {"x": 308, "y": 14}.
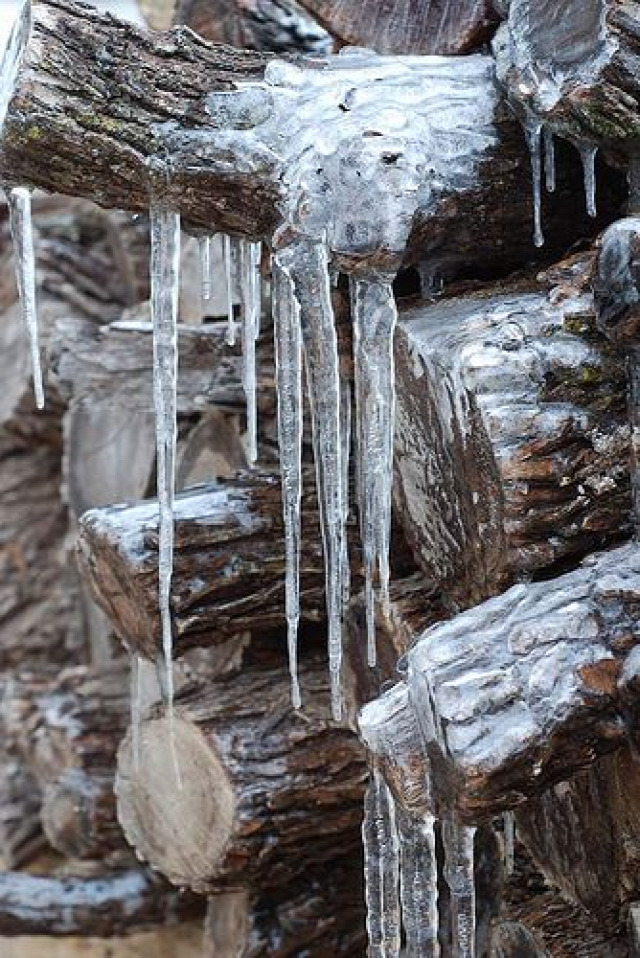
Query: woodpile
{"x": 489, "y": 733}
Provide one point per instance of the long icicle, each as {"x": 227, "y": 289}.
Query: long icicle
{"x": 165, "y": 278}
{"x": 307, "y": 264}
{"x": 419, "y": 885}
{"x": 459, "y": 871}
{"x": 382, "y": 862}
{"x": 227, "y": 257}
{"x": 533, "y": 132}
{"x": 288, "y": 352}
{"x": 25, "y": 266}
{"x": 549, "y": 160}
{"x": 374, "y": 321}
{"x": 250, "y": 295}
{"x": 588, "y": 154}
{"x": 204, "y": 243}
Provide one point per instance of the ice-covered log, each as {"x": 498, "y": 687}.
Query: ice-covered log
{"x": 518, "y": 693}
{"x": 267, "y": 792}
{"x": 410, "y": 26}
{"x": 512, "y": 437}
{"x": 92, "y": 96}
{"x": 108, "y": 904}
{"x": 575, "y": 67}
{"x": 228, "y": 563}
{"x": 617, "y": 282}
{"x": 280, "y": 26}
{"x": 584, "y": 835}
{"x": 321, "y": 913}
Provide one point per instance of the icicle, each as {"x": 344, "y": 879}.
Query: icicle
{"x": 228, "y": 272}
{"x": 588, "y": 154}
{"x": 549, "y": 160}
{"x": 204, "y": 242}
{"x": 250, "y": 297}
{"x": 459, "y": 873}
{"x": 533, "y": 132}
{"x": 419, "y": 885}
{"x": 307, "y": 265}
{"x": 165, "y": 277}
{"x": 345, "y": 435}
{"x": 22, "y": 233}
{"x": 381, "y": 857}
{"x": 509, "y": 833}
{"x": 374, "y": 320}
{"x": 288, "y": 343}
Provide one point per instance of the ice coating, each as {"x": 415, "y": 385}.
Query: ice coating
{"x": 11, "y": 57}
{"x": 374, "y": 320}
{"x": 382, "y": 865}
{"x": 459, "y": 871}
{"x": 419, "y": 885}
{"x": 307, "y": 266}
{"x": 22, "y": 233}
{"x": 165, "y": 279}
{"x": 250, "y": 299}
{"x": 288, "y": 353}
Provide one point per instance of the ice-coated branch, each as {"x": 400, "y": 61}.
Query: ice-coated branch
{"x": 249, "y": 142}
{"x": 517, "y": 693}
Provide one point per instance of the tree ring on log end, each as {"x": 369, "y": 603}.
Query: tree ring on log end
{"x": 182, "y": 829}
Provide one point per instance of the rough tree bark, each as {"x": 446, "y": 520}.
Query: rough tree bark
{"x": 281, "y": 26}
{"x": 266, "y": 792}
{"x": 102, "y": 129}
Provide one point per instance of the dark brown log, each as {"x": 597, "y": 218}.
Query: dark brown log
{"x": 278, "y": 25}
{"x": 322, "y": 913}
{"x": 525, "y": 690}
{"x": 576, "y": 67}
{"x": 228, "y": 567}
{"x": 512, "y": 438}
{"x": 102, "y": 129}
{"x": 266, "y": 792}
{"x": 584, "y": 836}
{"x": 109, "y": 904}
{"x": 409, "y": 26}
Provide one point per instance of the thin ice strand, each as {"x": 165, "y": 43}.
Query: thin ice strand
{"x": 288, "y": 353}
{"x": 588, "y": 154}
{"x": 533, "y": 132}
{"x": 25, "y": 267}
{"x": 459, "y": 872}
{"x": 374, "y": 322}
{"x": 307, "y": 264}
{"x": 227, "y": 257}
{"x": 549, "y": 160}
{"x": 250, "y": 296}
{"x": 382, "y": 864}
{"x": 204, "y": 243}
{"x": 419, "y": 885}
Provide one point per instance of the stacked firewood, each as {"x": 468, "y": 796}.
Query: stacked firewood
{"x": 512, "y": 520}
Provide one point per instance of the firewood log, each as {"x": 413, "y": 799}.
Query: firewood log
{"x": 512, "y": 437}
{"x": 21, "y": 837}
{"x": 266, "y": 792}
{"x": 106, "y": 904}
{"x": 407, "y": 27}
{"x": 617, "y": 282}
{"x": 278, "y": 25}
{"x": 525, "y": 690}
{"x": 584, "y": 835}
{"x": 97, "y": 146}
{"x": 574, "y": 67}
{"x": 228, "y": 566}
{"x": 320, "y": 913}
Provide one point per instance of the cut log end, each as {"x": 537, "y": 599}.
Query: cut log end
{"x": 193, "y": 815}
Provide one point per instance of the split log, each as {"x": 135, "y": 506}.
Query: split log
{"x": 109, "y": 904}
{"x": 228, "y": 564}
{"x": 105, "y": 127}
{"x": 584, "y": 836}
{"x": 525, "y": 690}
{"x": 266, "y": 794}
{"x": 512, "y": 439}
{"x": 173, "y": 941}
{"x": 575, "y": 67}
{"x": 321, "y": 913}
{"x": 281, "y": 26}
{"x": 408, "y": 26}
